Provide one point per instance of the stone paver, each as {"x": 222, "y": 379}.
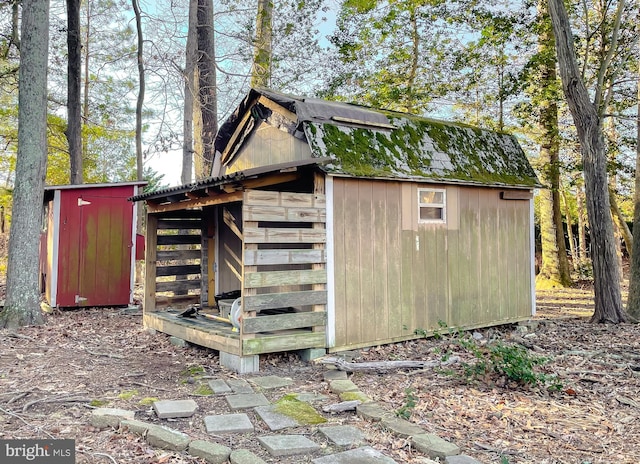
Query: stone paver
{"x": 341, "y": 386}
{"x": 239, "y": 386}
{"x": 136, "y": 426}
{"x": 402, "y": 427}
{"x": 165, "y": 438}
{"x": 228, "y": 423}
{"x": 372, "y": 411}
{"x": 354, "y": 395}
{"x": 288, "y": 445}
{"x": 343, "y": 435}
{"x": 434, "y": 446}
{"x": 270, "y": 382}
{"x": 168, "y": 409}
{"x": 334, "y": 374}
{"x": 364, "y": 455}
{"x": 179, "y": 342}
{"x": 246, "y": 400}
{"x": 275, "y": 420}
{"x": 210, "y": 452}
{"x": 103, "y": 418}
{"x": 311, "y": 397}
{"x": 461, "y": 459}
{"x": 244, "y": 456}
{"x": 219, "y": 387}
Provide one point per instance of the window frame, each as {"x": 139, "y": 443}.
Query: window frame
{"x": 442, "y": 205}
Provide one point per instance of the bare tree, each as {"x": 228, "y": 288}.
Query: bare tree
{"x": 23, "y": 297}
{"x": 189, "y": 92}
{"x": 261, "y": 72}
{"x": 586, "y": 117}
{"x": 74, "y": 71}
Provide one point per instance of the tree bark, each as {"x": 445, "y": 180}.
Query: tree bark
{"x": 22, "y": 305}
{"x": 206, "y": 86}
{"x": 141, "y": 90}
{"x": 572, "y": 243}
{"x": 633, "y": 300}
{"x": 554, "y": 271}
{"x": 262, "y": 54}
{"x": 608, "y": 299}
{"x": 189, "y": 93}
{"x": 74, "y": 71}
{"x": 582, "y": 228}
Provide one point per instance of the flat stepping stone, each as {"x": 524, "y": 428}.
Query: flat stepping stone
{"x": 402, "y": 427}
{"x": 311, "y": 397}
{"x": 168, "y": 409}
{"x": 334, "y": 374}
{"x": 341, "y": 386}
{"x": 220, "y": 387}
{"x": 461, "y": 459}
{"x": 364, "y": 455}
{"x": 288, "y": 445}
{"x": 372, "y": 411}
{"x": 343, "y": 435}
{"x": 243, "y": 456}
{"x": 103, "y": 418}
{"x": 239, "y": 386}
{"x": 246, "y": 400}
{"x": 210, "y": 452}
{"x": 275, "y": 420}
{"x": 270, "y": 382}
{"x": 168, "y": 439}
{"x": 434, "y": 446}
{"x": 228, "y": 423}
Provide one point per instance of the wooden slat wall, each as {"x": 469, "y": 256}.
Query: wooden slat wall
{"x": 268, "y": 146}
{"x": 178, "y": 267}
{"x": 394, "y": 276}
{"x": 280, "y": 271}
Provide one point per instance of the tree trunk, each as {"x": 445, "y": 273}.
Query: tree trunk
{"x": 141, "y": 90}
{"x": 262, "y": 54}
{"x": 608, "y": 300}
{"x": 554, "y": 271}
{"x": 74, "y": 71}
{"x": 572, "y": 242}
{"x": 633, "y": 300}
{"x": 22, "y": 305}
{"x": 582, "y": 227}
{"x": 206, "y": 86}
{"x": 189, "y": 92}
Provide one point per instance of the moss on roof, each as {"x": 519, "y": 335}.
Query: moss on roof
{"x": 422, "y": 148}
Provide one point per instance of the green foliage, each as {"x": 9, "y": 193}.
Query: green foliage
{"x": 410, "y": 402}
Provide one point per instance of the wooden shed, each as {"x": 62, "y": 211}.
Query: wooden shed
{"x": 340, "y": 227}
{"x": 88, "y": 244}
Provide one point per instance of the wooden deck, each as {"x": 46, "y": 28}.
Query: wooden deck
{"x": 220, "y": 336}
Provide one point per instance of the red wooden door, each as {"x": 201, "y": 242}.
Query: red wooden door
{"x": 96, "y": 245}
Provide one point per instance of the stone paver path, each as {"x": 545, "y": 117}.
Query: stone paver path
{"x": 333, "y": 444}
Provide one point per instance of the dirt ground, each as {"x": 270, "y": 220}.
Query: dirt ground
{"x": 52, "y": 376}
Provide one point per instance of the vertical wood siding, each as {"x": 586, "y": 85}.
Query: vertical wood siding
{"x": 394, "y": 276}
{"x": 269, "y": 146}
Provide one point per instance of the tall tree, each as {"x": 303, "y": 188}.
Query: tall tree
{"x": 74, "y": 72}
{"x": 262, "y": 55}
{"x": 141, "y": 90}
{"x": 608, "y": 300}
{"x": 189, "y": 93}
{"x": 23, "y": 297}
{"x": 633, "y": 300}
{"x": 554, "y": 270}
{"x": 207, "y": 95}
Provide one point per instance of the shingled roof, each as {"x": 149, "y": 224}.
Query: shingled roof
{"x": 368, "y": 142}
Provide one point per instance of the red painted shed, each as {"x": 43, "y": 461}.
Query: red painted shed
{"x": 88, "y": 248}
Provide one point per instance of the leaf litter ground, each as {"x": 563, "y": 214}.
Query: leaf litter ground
{"x": 52, "y": 376}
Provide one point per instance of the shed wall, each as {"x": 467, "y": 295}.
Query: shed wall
{"x": 270, "y": 146}
{"x": 394, "y": 276}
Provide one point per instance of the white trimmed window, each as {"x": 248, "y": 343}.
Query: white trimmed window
{"x": 432, "y": 205}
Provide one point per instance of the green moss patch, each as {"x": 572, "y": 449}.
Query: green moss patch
{"x": 148, "y": 401}
{"x": 128, "y": 394}
{"x": 98, "y": 403}
{"x": 203, "y": 390}
{"x": 356, "y": 395}
{"x": 301, "y": 411}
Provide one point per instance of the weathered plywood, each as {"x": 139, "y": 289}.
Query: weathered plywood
{"x": 283, "y": 257}
{"x": 276, "y": 278}
{"x": 151, "y": 248}
{"x": 283, "y": 322}
{"x": 284, "y": 214}
{"x": 282, "y": 300}
{"x": 284, "y": 235}
{"x": 178, "y": 286}
{"x": 284, "y": 342}
{"x": 284, "y": 199}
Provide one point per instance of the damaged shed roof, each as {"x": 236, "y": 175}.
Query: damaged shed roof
{"x": 367, "y": 142}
